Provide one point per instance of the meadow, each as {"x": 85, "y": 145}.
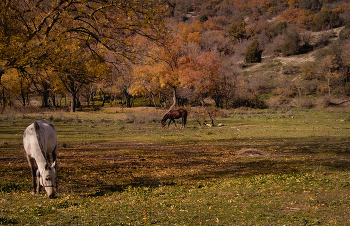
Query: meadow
{"x": 118, "y": 167}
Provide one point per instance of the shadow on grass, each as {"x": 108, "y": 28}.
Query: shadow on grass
{"x": 97, "y": 169}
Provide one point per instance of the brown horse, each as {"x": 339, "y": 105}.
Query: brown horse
{"x": 175, "y": 114}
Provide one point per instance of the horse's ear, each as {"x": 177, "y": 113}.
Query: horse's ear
{"x": 54, "y": 165}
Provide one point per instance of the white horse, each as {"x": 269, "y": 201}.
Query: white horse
{"x": 39, "y": 140}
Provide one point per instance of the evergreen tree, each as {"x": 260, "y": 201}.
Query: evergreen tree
{"x": 253, "y": 52}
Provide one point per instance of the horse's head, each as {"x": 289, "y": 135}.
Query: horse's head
{"x": 163, "y": 123}
{"x": 164, "y": 119}
{"x": 48, "y": 179}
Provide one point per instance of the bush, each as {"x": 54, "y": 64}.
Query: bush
{"x": 203, "y": 18}
{"x": 323, "y": 102}
{"x": 253, "y": 53}
{"x": 313, "y": 5}
{"x": 279, "y": 28}
{"x": 345, "y": 32}
{"x": 326, "y": 19}
{"x": 323, "y": 40}
{"x": 291, "y": 45}
{"x": 275, "y": 47}
{"x": 290, "y": 69}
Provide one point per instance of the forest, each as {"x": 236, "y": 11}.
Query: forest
{"x": 167, "y": 53}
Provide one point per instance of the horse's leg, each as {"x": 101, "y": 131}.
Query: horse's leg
{"x": 32, "y": 171}
{"x": 38, "y": 182}
{"x": 54, "y": 158}
{"x": 169, "y": 122}
{"x": 184, "y": 119}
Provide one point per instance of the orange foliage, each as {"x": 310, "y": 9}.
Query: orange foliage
{"x": 213, "y": 23}
{"x": 241, "y": 5}
{"x": 305, "y": 18}
{"x": 258, "y": 28}
{"x": 343, "y": 8}
{"x": 302, "y": 18}
{"x": 201, "y": 73}
{"x": 292, "y": 3}
{"x": 289, "y": 15}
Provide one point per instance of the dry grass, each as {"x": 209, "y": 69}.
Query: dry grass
{"x": 261, "y": 168}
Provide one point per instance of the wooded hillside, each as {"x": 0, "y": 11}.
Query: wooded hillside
{"x": 251, "y": 53}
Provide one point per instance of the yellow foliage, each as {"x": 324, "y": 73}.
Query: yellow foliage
{"x": 194, "y": 37}
{"x": 186, "y": 30}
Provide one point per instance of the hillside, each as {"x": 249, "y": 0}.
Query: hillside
{"x": 303, "y": 46}
{"x": 251, "y": 53}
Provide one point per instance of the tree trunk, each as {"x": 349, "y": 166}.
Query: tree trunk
{"x": 3, "y": 98}
{"x": 103, "y": 97}
{"x": 174, "y": 100}
{"x": 23, "y": 98}
{"x": 153, "y": 99}
{"x": 208, "y": 113}
{"x": 73, "y": 102}
{"x": 53, "y": 98}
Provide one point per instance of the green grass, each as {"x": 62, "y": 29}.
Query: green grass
{"x": 120, "y": 168}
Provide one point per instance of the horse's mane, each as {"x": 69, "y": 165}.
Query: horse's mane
{"x": 165, "y": 116}
{"x": 37, "y": 132}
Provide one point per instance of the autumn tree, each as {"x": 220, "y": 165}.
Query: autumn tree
{"x": 75, "y": 68}
{"x": 236, "y": 31}
{"x": 30, "y": 31}
{"x": 165, "y": 59}
{"x": 202, "y": 75}
{"x": 147, "y": 81}
{"x": 333, "y": 66}
{"x": 16, "y": 85}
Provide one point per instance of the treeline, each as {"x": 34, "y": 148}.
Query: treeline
{"x": 171, "y": 52}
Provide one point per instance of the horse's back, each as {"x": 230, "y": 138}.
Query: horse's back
{"x": 40, "y": 131}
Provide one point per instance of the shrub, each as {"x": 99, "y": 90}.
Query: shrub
{"x": 275, "y": 47}
{"x": 313, "y": 5}
{"x": 253, "y": 53}
{"x": 290, "y": 69}
{"x": 291, "y": 45}
{"x": 345, "y": 32}
{"x": 323, "y": 40}
{"x": 308, "y": 70}
{"x": 326, "y": 19}
{"x": 279, "y": 28}
{"x": 323, "y": 102}
{"x": 203, "y": 18}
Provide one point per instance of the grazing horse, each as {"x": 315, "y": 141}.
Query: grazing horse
{"x": 175, "y": 114}
{"x": 40, "y": 139}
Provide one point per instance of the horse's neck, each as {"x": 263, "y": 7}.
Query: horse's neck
{"x": 39, "y": 156}
{"x": 40, "y": 161}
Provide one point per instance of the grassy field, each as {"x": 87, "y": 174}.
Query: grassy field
{"x": 118, "y": 167}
